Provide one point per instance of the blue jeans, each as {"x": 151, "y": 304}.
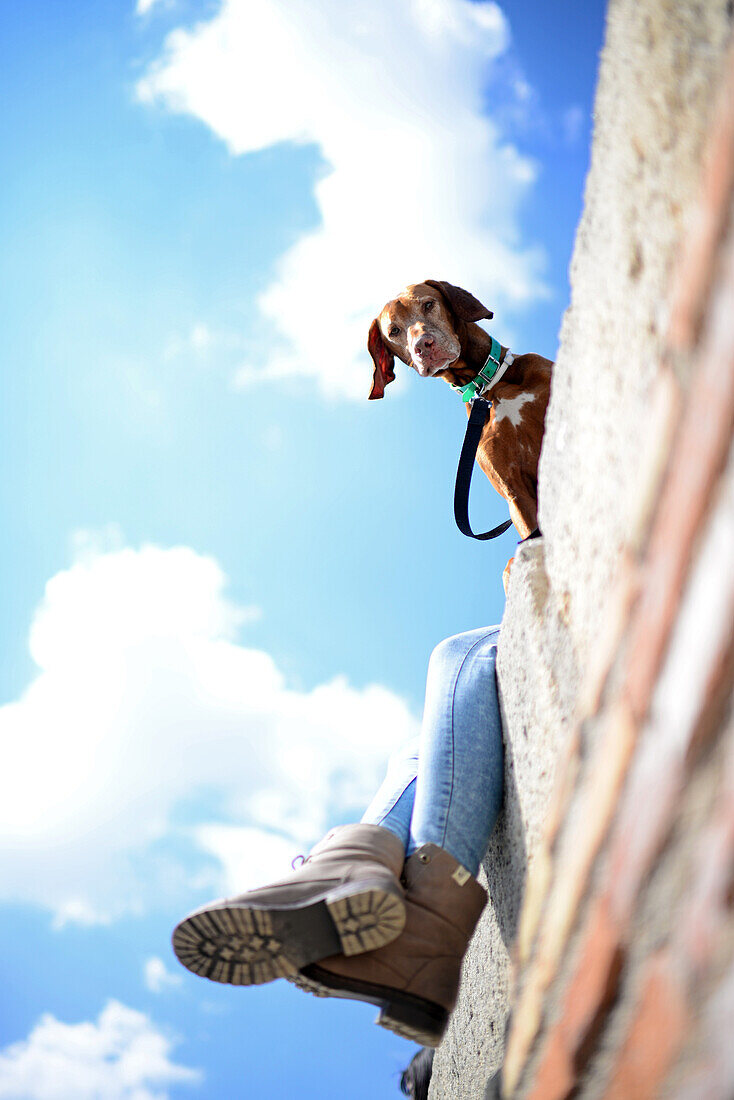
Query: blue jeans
{"x": 445, "y": 787}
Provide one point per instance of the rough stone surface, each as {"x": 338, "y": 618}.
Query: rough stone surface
{"x": 659, "y": 73}
{"x": 474, "y": 1046}
{"x": 607, "y": 438}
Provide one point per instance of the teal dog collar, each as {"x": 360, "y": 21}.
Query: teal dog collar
{"x": 488, "y": 376}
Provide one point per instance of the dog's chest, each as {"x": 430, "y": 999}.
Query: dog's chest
{"x": 511, "y": 408}
{"x": 514, "y": 430}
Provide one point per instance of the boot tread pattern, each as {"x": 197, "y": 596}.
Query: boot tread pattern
{"x": 246, "y": 946}
{"x": 367, "y": 921}
{"x": 231, "y": 945}
{"x": 310, "y": 986}
{"x": 405, "y": 1031}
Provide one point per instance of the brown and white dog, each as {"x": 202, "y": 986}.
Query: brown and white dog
{"x": 432, "y": 327}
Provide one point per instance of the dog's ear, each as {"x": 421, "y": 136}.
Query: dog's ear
{"x": 383, "y": 359}
{"x": 463, "y": 304}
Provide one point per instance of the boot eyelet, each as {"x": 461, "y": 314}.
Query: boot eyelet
{"x": 424, "y": 857}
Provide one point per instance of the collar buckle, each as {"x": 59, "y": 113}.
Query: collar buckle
{"x": 491, "y": 372}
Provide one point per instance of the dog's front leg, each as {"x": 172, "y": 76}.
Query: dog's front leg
{"x": 524, "y": 514}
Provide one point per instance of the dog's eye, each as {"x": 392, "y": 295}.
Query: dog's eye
{"x": 428, "y": 306}
{"x": 393, "y": 330}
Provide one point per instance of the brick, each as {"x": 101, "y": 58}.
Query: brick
{"x": 564, "y": 787}
{"x": 708, "y": 916}
{"x": 676, "y": 734}
{"x": 540, "y": 869}
{"x": 707, "y": 919}
{"x": 594, "y": 985}
{"x": 645, "y": 815}
{"x": 525, "y": 1024}
{"x": 712, "y": 1075}
{"x": 659, "y": 1025}
{"x": 587, "y": 1000}
{"x": 698, "y": 457}
{"x": 718, "y": 690}
{"x": 597, "y": 803}
{"x": 538, "y": 882}
{"x": 599, "y": 794}
{"x": 555, "y": 1078}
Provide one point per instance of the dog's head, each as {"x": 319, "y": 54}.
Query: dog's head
{"x": 424, "y": 327}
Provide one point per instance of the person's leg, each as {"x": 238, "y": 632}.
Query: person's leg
{"x": 445, "y": 787}
{"x": 458, "y": 792}
{"x": 415, "y": 978}
{"x": 392, "y": 806}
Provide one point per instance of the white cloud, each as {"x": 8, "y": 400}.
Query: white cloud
{"x": 158, "y": 977}
{"x": 572, "y": 122}
{"x": 80, "y": 912}
{"x": 148, "y": 725}
{"x": 249, "y": 857}
{"x": 121, "y": 1056}
{"x": 144, "y": 6}
{"x": 202, "y": 342}
{"x": 418, "y": 181}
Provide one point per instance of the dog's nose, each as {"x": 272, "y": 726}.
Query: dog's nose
{"x": 424, "y": 343}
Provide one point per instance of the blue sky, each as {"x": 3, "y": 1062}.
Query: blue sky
{"x": 225, "y": 569}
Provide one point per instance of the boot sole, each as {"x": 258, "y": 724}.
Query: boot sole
{"x": 244, "y": 945}
{"x": 411, "y": 1017}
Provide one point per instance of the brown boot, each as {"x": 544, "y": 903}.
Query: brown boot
{"x": 415, "y": 979}
{"x": 346, "y": 897}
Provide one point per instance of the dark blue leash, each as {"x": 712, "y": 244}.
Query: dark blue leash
{"x": 477, "y": 419}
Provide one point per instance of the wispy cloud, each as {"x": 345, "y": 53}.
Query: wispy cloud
{"x": 78, "y": 911}
{"x": 149, "y": 726}
{"x": 417, "y": 182}
{"x": 572, "y": 122}
{"x": 143, "y": 7}
{"x": 249, "y": 857}
{"x": 122, "y": 1055}
{"x": 203, "y": 342}
{"x": 157, "y": 977}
